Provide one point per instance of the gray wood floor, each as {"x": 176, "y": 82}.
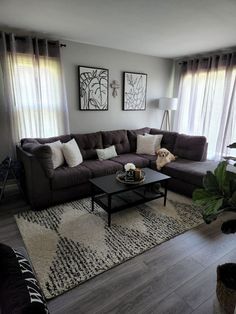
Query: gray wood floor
{"x": 178, "y": 276}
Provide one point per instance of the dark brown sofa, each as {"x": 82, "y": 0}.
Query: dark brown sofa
{"x": 45, "y": 186}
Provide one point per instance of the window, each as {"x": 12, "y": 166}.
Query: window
{"x": 37, "y": 92}
{"x": 207, "y": 106}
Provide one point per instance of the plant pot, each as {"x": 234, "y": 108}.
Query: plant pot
{"x": 226, "y": 286}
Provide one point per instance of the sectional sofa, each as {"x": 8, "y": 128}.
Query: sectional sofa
{"x": 45, "y": 186}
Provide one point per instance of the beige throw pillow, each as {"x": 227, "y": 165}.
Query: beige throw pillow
{"x": 72, "y": 153}
{"x": 57, "y": 155}
{"x": 106, "y": 153}
{"x": 158, "y": 140}
{"x": 146, "y": 145}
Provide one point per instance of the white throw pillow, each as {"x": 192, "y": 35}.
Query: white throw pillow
{"x": 146, "y": 145}
{"x": 106, "y": 153}
{"x": 72, "y": 153}
{"x": 158, "y": 140}
{"x": 57, "y": 155}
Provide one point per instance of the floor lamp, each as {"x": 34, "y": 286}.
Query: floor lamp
{"x": 167, "y": 104}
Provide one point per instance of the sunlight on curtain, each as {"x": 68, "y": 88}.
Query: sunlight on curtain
{"x": 37, "y": 92}
{"x": 207, "y": 106}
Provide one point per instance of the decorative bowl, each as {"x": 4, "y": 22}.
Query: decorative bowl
{"x": 121, "y": 177}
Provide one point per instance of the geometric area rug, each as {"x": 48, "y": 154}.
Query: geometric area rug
{"x": 68, "y": 244}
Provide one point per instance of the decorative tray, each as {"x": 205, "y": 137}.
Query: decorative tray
{"x": 121, "y": 177}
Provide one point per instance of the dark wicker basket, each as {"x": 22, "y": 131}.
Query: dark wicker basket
{"x": 226, "y": 286}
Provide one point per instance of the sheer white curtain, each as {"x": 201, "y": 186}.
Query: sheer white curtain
{"x": 207, "y": 101}
{"x": 33, "y": 87}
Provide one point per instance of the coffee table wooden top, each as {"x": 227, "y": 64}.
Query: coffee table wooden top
{"x": 110, "y": 185}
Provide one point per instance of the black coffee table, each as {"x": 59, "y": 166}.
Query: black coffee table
{"x": 117, "y": 196}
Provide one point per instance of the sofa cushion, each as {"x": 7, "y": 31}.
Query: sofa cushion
{"x": 62, "y": 138}
{"x": 65, "y": 177}
{"x": 139, "y": 161}
{"x": 19, "y": 289}
{"x": 168, "y": 140}
{"x": 57, "y": 154}
{"x": 101, "y": 168}
{"x": 147, "y": 144}
{"x": 88, "y": 143}
{"x": 118, "y": 138}
{"x": 158, "y": 138}
{"x": 132, "y": 136}
{"x": 190, "y": 147}
{"x": 150, "y": 158}
{"x": 189, "y": 171}
{"x": 106, "y": 153}
{"x": 72, "y": 153}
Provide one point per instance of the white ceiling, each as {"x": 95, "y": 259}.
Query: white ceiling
{"x": 165, "y": 28}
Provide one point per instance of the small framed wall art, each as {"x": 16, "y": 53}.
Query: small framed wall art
{"x": 93, "y": 88}
{"x": 134, "y": 91}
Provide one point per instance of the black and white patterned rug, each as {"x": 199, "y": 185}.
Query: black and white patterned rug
{"x": 68, "y": 244}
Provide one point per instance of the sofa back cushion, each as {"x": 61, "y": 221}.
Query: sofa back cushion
{"x": 132, "y": 136}
{"x": 62, "y": 138}
{"x": 118, "y": 138}
{"x": 190, "y": 147}
{"x": 168, "y": 140}
{"x": 88, "y": 143}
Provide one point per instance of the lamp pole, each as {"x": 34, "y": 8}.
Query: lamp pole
{"x": 167, "y": 104}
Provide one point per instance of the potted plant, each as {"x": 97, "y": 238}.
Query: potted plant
{"x": 218, "y": 195}
{"x": 219, "y": 191}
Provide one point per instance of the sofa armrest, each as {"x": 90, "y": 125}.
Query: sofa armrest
{"x": 43, "y": 153}
{"x": 37, "y": 184}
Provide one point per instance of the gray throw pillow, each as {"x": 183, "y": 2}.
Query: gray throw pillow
{"x": 106, "y": 153}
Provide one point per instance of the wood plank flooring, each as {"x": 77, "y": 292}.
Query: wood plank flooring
{"x": 178, "y": 276}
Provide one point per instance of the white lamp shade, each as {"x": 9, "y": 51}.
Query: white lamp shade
{"x": 166, "y": 103}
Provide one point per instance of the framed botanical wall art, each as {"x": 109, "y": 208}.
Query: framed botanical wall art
{"x": 134, "y": 91}
{"x": 93, "y": 88}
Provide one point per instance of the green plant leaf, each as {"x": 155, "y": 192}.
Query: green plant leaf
{"x": 220, "y": 173}
{"x": 211, "y": 210}
{"x": 210, "y": 182}
{"x": 233, "y": 145}
{"x": 232, "y": 200}
{"x": 230, "y": 183}
{"x": 210, "y": 203}
{"x": 213, "y": 205}
{"x": 201, "y": 194}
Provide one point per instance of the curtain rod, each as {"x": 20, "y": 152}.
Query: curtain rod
{"x": 207, "y": 55}
{"x": 51, "y": 40}
{"x": 203, "y": 58}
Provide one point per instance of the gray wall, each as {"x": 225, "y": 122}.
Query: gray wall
{"x": 159, "y": 84}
